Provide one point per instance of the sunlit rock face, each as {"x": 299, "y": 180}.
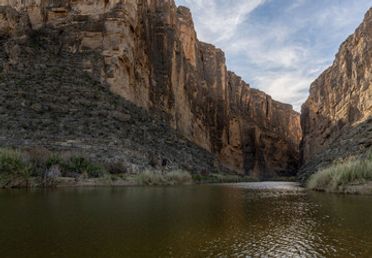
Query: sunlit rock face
{"x": 150, "y": 55}
{"x": 336, "y": 118}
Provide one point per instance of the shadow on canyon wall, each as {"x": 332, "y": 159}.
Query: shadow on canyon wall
{"x": 340, "y": 141}
{"x": 49, "y": 101}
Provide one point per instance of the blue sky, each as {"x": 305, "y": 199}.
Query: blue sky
{"x": 278, "y": 46}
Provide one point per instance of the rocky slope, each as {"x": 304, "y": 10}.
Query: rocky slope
{"x": 49, "y": 102}
{"x": 337, "y": 117}
{"x": 148, "y": 53}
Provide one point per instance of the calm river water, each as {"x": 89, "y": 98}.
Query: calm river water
{"x": 253, "y": 219}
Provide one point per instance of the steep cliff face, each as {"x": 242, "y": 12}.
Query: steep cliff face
{"x": 148, "y": 53}
{"x": 336, "y": 118}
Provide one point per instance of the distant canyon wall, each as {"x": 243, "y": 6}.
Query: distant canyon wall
{"x": 337, "y": 117}
{"x": 150, "y": 55}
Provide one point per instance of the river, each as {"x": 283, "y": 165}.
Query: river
{"x": 232, "y": 220}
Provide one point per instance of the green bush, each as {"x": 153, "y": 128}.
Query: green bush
{"x": 341, "y": 174}
{"x": 14, "y": 170}
{"x": 17, "y": 168}
{"x": 81, "y": 165}
{"x": 95, "y": 171}
{"x": 54, "y": 160}
{"x": 197, "y": 178}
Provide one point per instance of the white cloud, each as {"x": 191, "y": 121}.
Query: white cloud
{"x": 268, "y": 56}
{"x": 218, "y": 20}
{"x": 286, "y": 87}
{"x": 296, "y": 4}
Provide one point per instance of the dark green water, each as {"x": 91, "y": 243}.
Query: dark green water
{"x": 192, "y": 221}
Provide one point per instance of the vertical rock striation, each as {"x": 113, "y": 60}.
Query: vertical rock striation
{"x": 337, "y": 117}
{"x": 149, "y": 54}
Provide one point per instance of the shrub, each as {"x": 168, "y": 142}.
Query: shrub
{"x": 369, "y": 156}
{"x": 50, "y": 176}
{"x": 148, "y": 177}
{"x": 116, "y": 168}
{"x": 76, "y": 164}
{"x": 37, "y": 158}
{"x": 81, "y": 165}
{"x": 16, "y": 168}
{"x": 14, "y": 171}
{"x": 176, "y": 177}
{"x": 95, "y": 171}
{"x": 197, "y": 178}
{"x": 341, "y": 174}
{"x": 54, "y": 160}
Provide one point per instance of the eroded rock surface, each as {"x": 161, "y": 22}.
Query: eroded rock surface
{"x": 148, "y": 53}
{"x": 337, "y": 117}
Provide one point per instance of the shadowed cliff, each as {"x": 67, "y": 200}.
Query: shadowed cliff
{"x": 337, "y": 117}
{"x": 148, "y": 53}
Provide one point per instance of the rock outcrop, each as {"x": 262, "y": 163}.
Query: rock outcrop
{"x": 148, "y": 53}
{"x": 337, "y": 117}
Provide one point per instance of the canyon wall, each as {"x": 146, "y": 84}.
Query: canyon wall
{"x": 337, "y": 117}
{"x": 147, "y": 51}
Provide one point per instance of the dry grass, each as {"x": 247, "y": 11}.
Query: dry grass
{"x": 175, "y": 177}
{"x": 340, "y": 175}
{"x": 14, "y": 169}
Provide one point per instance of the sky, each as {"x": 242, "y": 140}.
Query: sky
{"x": 278, "y": 46}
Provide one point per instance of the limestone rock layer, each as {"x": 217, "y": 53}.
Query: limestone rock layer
{"x": 147, "y": 51}
{"x": 337, "y": 117}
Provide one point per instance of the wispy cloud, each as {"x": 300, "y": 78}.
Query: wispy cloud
{"x": 219, "y": 19}
{"x": 288, "y": 87}
{"x": 277, "y": 46}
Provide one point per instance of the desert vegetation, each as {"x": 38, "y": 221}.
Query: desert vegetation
{"x": 42, "y": 168}
{"x": 39, "y": 167}
{"x": 14, "y": 170}
{"x": 175, "y": 177}
{"x": 351, "y": 175}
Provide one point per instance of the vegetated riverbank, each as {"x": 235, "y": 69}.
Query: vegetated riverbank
{"x": 350, "y": 176}
{"x": 42, "y": 168}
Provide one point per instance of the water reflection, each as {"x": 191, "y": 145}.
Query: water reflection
{"x": 272, "y": 220}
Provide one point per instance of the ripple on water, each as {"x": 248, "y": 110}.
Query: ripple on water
{"x": 274, "y": 186}
{"x": 271, "y": 219}
{"x": 284, "y": 222}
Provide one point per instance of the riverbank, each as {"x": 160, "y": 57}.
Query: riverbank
{"x": 350, "y": 176}
{"x": 43, "y": 168}
{"x": 157, "y": 178}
